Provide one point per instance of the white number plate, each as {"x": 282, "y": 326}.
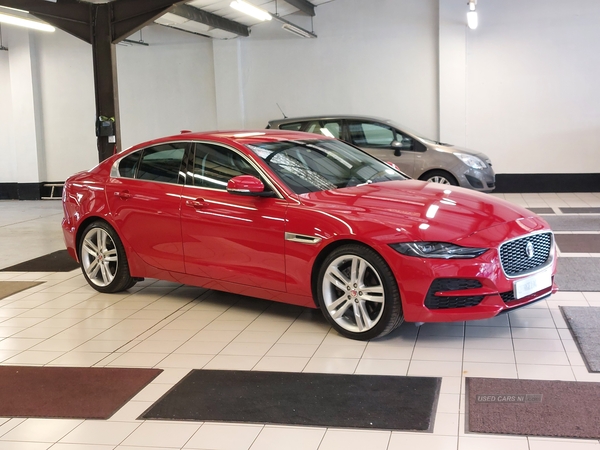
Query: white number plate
{"x": 532, "y": 284}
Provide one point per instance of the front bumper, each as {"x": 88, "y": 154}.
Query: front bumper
{"x": 470, "y": 289}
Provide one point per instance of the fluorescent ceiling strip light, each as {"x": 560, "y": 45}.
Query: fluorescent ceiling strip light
{"x": 251, "y": 10}
{"x": 297, "y": 30}
{"x": 28, "y": 23}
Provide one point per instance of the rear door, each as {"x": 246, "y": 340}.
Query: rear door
{"x": 145, "y": 202}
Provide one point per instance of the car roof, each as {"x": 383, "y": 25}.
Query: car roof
{"x": 239, "y": 136}
{"x": 327, "y": 117}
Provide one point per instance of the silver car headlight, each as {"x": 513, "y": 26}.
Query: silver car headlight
{"x": 471, "y": 161}
{"x": 440, "y": 250}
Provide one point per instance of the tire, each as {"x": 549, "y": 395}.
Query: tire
{"x": 439, "y": 176}
{"x": 358, "y": 294}
{"x": 103, "y": 260}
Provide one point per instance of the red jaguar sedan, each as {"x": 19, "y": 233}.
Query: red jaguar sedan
{"x": 308, "y": 220}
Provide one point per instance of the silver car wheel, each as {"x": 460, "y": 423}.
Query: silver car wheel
{"x": 353, "y": 293}
{"x": 438, "y": 179}
{"x": 99, "y": 257}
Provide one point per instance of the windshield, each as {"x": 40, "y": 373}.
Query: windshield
{"x": 320, "y": 165}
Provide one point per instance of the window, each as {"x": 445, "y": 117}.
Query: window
{"x": 162, "y": 163}
{"x": 365, "y": 134}
{"x": 291, "y": 126}
{"x": 215, "y": 165}
{"x": 128, "y": 165}
{"x": 326, "y": 128}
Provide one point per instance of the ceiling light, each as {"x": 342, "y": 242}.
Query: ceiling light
{"x": 472, "y": 19}
{"x": 250, "y": 9}
{"x": 297, "y": 30}
{"x": 28, "y": 23}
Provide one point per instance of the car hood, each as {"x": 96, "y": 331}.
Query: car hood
{"x": 417, "y": 210}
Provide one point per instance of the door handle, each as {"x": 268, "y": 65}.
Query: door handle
{"x": 123, "y": 195}
{"x": 197, "y": 203}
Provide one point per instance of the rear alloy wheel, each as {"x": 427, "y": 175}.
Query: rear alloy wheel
{"x": 358, "y": 293}
{"x": 103, "y": 259}
{"x": 441, "y": 177}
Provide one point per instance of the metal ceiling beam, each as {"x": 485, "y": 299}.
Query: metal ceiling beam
{"x": 303, "y": 5}
{"x": 210, "y": 19}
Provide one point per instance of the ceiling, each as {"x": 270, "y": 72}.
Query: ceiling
{"x": 280, "y": 9}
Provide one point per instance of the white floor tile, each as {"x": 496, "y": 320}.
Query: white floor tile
{"x": 213, "y": 436}
{"x": 100, "y": 432}
{"x": 40, "y": 430}
{"x": 403, "y": 441}
{"x": 355, "y": 440}
{"x": 161, "y": 434}
{"x": 293, "y": 438}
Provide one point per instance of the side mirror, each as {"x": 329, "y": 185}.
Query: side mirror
{"x": 248, "y": 185}
{"x": 396, "y": 145}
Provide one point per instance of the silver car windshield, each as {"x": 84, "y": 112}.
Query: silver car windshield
{"x": 320, "y": 165}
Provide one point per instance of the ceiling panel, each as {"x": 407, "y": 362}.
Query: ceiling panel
{"x": 221, "y": 8}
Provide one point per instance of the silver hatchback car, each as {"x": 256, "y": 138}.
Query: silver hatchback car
{"x": 416, "y": 156}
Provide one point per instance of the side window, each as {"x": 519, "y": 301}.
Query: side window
{"x": 406, "y": 142}
{"x": 162, "y": 163}
{"x": 128, "y": 165}
{"x": 331, "y": 129}
{"x": 214, "y": 166}
{"x": 291, "y": 126}
{"x": 365, "y": 134}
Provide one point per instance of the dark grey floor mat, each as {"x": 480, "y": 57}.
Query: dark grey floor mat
{"x": 580, "y": 210}
{"x": 306, "y": 399}
{"x": 574, "y": 223}
{"x": 578, "y": 274}
{"x": 584, "y": 323}
{"x": 578, "y": 243}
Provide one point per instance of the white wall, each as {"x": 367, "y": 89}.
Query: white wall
{"x": 66, "y": 85}
{"x": 165, "y": 87}
{"x": 7, "y": 151}
{"x": 533, "y": 90}
{"x": 376, "y": 57}
{"x": 523, "y": 88}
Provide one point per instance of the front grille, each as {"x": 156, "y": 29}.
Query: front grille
{"x": 433, "y": 301}
{"x": 513, "y": 254}
{"x": 507, "y": 296}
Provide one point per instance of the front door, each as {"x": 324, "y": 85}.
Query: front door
{"x": 230, "y": 237}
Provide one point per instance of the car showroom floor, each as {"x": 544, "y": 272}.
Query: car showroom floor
{"x": 64, "y": 322}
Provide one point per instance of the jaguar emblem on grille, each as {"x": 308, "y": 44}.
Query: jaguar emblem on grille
{"x": 529, "y": 250}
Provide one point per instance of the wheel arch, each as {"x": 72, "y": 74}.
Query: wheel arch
{"x": 81, "y": 228}
{"x": 428, "y": 172}
{"x": 325, "y": 251}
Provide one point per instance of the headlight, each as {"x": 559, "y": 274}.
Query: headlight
{"x": 441, "y": 250}
{"x": 471, "y": 161}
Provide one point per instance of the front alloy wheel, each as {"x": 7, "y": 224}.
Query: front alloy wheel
{"x": 358, "y": 293}
{"x": 103, "y": 259}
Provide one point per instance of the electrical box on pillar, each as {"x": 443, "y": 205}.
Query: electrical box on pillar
{"x": 105, "y": 126}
